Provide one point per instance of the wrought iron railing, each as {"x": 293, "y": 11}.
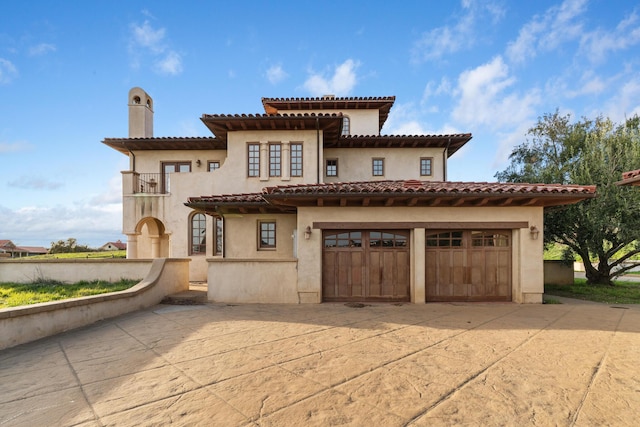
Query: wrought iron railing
{"x": 151, "y": 183}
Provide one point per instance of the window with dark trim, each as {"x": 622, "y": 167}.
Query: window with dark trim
{"x": 377, "y": 166}
{"x": 198, "y": 234}
{"x": 218, "y": 225}
{"x": 267, "y": 235}
{"x": 296, "y": 159}
{"x": 426, "y": 166}
{"x": 332, "y": 167}
{"x": 253, "y": 168}
{"x": 346, "y": 125}
{"x": 275, "y": 157}
{"x": 213, "y": 165}
{"x": 172, "y": 167}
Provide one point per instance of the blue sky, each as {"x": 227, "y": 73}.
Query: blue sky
{"x": 486, "y": 67}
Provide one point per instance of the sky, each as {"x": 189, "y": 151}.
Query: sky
{"x": 486, "y": 67}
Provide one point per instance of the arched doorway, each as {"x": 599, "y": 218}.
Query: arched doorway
{"x": 151, "y": 240}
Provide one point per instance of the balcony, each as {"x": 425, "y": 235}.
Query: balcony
{"x": 150, "y": 183}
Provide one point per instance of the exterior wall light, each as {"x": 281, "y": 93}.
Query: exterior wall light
{"x": 533, "y": 230}
{"x": 198, "y": 162}
{"x": 307, "y": 233}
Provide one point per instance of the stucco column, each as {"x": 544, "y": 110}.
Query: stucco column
{"x": 132, "y": 246}
{"x": 264, "y": 160}
{"x": 155, "y": 247}
{"x": 418, "y": 263}
{"x": 286, "y": 161}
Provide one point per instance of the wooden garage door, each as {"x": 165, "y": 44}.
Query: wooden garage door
{"x": 468, "y": 265}
{"x": 368, "y": 265}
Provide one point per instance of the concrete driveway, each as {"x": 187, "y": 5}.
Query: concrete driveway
{"x": 330, "y": 365}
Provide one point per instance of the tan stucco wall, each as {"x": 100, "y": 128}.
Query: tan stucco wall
{"x": 527, "y": 267}
{"x": 558, "y": 272}
{"x": 399, "y": 163}
{"x": 23, "y": 324}
{"x": 241, "y": 236}
{"x": 72, "y": 270}
{"x": 362, "y": 122}
{"x": 253, "y": 281}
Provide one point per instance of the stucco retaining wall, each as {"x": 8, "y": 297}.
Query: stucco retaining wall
{"x": 28, "y": 323}
{"x": 72, "y": 270}
{"x": 253, "y": 281}
{"x": 558, "y": 273}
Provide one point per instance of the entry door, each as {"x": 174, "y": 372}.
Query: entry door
{"x": 468, "y": 265}
{"x": 363, "y": 265}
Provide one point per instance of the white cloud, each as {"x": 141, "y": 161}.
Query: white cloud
{"x": 41, "y": 49}
{"x": 275, "y": 74}
{"x": 558, "y": 25}
{"x": 341, "y": 83}
{"x": 171, "y": 64}
{"x": 146, "y": 40}
{"x": 484, "y": 98}
{"x": 34, "y": 183}
{"x": 598, "y": 43}
{"x": 624, "y": 103}
{"x": 440, "y": 41}
{"x": 8, "y": 71}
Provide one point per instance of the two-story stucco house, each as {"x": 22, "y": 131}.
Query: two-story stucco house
{"x": 308, "y": 202}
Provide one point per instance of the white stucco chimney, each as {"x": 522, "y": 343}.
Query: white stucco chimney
{"x": 140, "y": 114}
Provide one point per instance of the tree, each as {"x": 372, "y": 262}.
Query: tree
{"x": 68, "y": 246}
{"x": 605, "y": 230}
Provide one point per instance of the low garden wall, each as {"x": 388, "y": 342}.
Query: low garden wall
{"x": 253, "y": 281}
{"x": 14, "y": 270}
{"x": 162, "y": 277}
{"x": 558, "y": 273}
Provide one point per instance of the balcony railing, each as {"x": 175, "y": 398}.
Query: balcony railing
{"x": 151, "y": 183}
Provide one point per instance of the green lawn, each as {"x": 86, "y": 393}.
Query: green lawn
{"x": 620, "y": 293}
{"x": 82, "y": 255}
{"x": 17, "y": 294}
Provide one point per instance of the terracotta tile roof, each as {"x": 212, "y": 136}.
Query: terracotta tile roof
{"x": 454, "y": 141}
{"x": 221, "y": 124}
{"x": 430, "y": 187}
{"x": 630, "y": 178}
{"x": 402, "y": 193}
{"x": 123, "y": 145}
{"x": 330, "y": 102}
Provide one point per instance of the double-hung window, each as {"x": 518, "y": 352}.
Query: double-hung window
{"x": 331, "y": 167}
{"x": 253, "y": 167}
{"x": 266, "y": 234}
{"x": 296, "y": 159}
{"x": 275, "y": 159}
{"x": 426, "y": 164}
{"x": 377, "y": 167}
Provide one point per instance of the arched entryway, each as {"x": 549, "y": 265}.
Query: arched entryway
{"x": 149, "y": 241}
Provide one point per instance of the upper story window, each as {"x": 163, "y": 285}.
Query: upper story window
{"x": 172, "y": 167}
{"x": 198, "y": 234}
{"x": 296, "y": 159}
{"x": 266, "y": 234}
{"x": 253, "y": 168}
{"x": 426, "y": 164}
{"x": 213, "y": 165}
{"x": 331, "y": 167}
{"x": 346, "y": 126}
{"x": 377, "y": 167}
{"x": 275, "y": 157}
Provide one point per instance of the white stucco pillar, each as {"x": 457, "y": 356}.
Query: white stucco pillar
{"x": 419, "y": 270}
{"x": 132, "y": 246}
{"x": 264, "y": 160}
{"x": 286, "y": 161}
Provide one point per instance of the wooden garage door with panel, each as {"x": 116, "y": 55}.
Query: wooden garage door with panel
{"x": 468, "y": 265}
{"x": 366, "y": 265}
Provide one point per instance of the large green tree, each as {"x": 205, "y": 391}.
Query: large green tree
{"x": 605, "y": 230}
